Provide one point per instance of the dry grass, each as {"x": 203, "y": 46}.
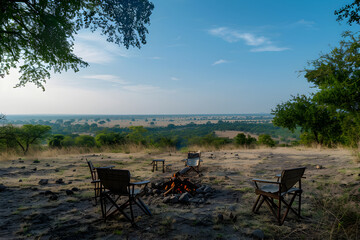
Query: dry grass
{"x": 330, "y": 204}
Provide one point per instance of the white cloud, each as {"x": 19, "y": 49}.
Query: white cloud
{"x": 231, "y": 35}
{"x": 250, "y": 39}
{"x": 107, "y": 78}
{"x": 269, "y": 48}
{"x": 94, "y": 48}
{"x": 305, "y": 23}
{"x": 141, "y": 88}
{"x": 220, "y": 61}
{"x": 175, "y": 79}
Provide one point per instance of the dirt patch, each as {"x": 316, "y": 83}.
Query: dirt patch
{"x": 30, "y": 210}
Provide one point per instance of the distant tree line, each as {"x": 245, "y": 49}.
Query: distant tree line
{"x": 21, "y": 138}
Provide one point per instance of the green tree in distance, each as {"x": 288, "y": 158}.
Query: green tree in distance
{"x": 37, "y": 36}
{"x": 28, "y": 135}
{"x": 303, "y": 112}
{"x": 265, "y": 139}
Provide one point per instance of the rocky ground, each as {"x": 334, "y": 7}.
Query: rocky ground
{"x": 51, "y": 198}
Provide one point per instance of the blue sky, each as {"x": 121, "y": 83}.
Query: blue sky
{"x": 201, "y": 57}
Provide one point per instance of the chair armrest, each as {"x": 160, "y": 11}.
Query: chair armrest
{"x": 264, "y": 181}
{"x": 140, "y": 183}
{"x": 111, "y": 166}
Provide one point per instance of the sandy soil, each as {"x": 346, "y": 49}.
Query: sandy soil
{"x": 28, "y": 213}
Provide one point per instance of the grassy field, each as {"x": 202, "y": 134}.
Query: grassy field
{"x": 330, "y": 203}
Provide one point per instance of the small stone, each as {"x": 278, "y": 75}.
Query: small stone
{"x": 48, "y": 192}
{"x": 258, "y": 234}
{"x": 43, "y": 181}
{"x": 69, "y": 192}
{"x": 59, "y": 181}
{"x": 75, "y": 189}
{"x": 319, "y": 167}
{"x": 184, "y": 198}
{"x": 47, "y": 165}
{"x": 174, "y": 199}
{"x": 36, "y": 161}
{"x": 220, "y": 217}
{"x": 21, "y": 161}
{"x": 20, "y": 180}
{"x": 166, "y": 200}
{"x": 53, "y": 197}
{"x": 2, "y": 188}
{"x": 207, "y": 189}
{"x": 34, "y": 169}
{"x": 56, "y": 170}
{"x": 74, "y": 170}
{"x": 69, "y": 182}
{"x": 23, "y": 167}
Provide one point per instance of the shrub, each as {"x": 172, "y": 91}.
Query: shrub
{"x": 85, "y": 141}
{"x": 265, "y": 139}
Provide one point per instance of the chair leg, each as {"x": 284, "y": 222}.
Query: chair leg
{"x": 279, "y": 213}
{"x": 271, "y": 208}
{"x": 288, "y": 208}
{"x": 261, "y": 202}
{"x": 256, "y": 202}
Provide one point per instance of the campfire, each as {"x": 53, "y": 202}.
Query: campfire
{"x": 178, "y": 184}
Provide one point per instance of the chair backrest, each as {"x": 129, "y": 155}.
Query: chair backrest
{"x": 92, "y": 170}
{"x": 289, "y": 177}
{"x": 194, "y": 155}
{"x": 115, "y": 180}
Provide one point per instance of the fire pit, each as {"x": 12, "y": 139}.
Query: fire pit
{"x": 179, "y": 189}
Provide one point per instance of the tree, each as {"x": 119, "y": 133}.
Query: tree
{"x": 85, "y": 141}
{"x": 265, "y": 139}
{"x": 28, "y": 135}
{"x": 55, "y": 140}
{"x": 350, "y": 11}
{"x": 136, "y": 134}
{"x": 302, "y": 112}
{"x": 40, "y": 33}
{"x": 337, "y": 76}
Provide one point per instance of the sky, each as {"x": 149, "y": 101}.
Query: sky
{"x": 201, "y": 57}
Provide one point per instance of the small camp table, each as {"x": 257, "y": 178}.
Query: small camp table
{"x": 155, "y": 164}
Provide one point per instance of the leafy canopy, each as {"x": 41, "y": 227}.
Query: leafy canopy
{"x": 337, "y": 75}
{"x": 37, "y": 36}
{"x": 349, "y": 11}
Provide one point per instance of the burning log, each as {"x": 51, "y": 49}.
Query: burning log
{"x": 178, "y": 184}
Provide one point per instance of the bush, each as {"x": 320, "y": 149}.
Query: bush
{"x": 85, "y": 141}
{"x": 55, "y": 141}
{"x": 110, "y": 138}
{"x": 265, "y": 139}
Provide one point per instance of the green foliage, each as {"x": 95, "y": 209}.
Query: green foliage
{"x": 136, "y": 134}
{"x": 24, "y": 136}
{"x": 311, "y": 117}
{"x": 68, "y": 141}
{"x": 55, "y": 141}
{"x": 110, "y": 138}
{"x": 243, "y": 140}
{"x": 85, "y": 141}
{"x": 265, "y": 139}
{"x": 350, "y": 11}
{"x": 40, "y": 34}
